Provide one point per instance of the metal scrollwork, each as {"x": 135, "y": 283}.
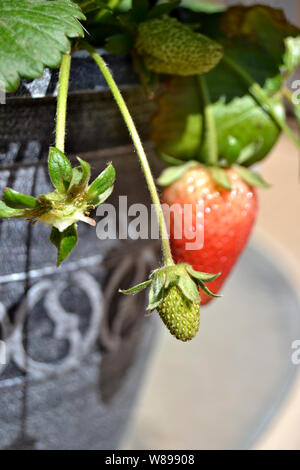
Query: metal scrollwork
{"x": 115, "y": 320}
{"x": 66, "y": 324}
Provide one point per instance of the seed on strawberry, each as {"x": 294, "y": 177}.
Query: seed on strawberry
{"x": 170, "y": 47}
{"x": 180, "y": 315}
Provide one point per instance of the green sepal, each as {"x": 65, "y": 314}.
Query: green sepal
{"x": 100, "y": 199}
{"x": 60, "y": 169}
{"x": 205, "y": 277}
{"x": 163, "y": 9}
{"x": 17, "y": 200}
{"x": 156, "y": 290}
{"x": 86, "y": 171}
{"x": 189, "y": 288}
{"x": 102, "y": 183}
{"x": 172, "y": 174}
{"x": 251, "y": 177}
{"x": 221, "y": 177}
{"x": 7, "y": 212}
{"x": 163, "y": 279}
{"x": 136, "y": 289}
{"x": 172, "y": 279}
{"x": 206, "y": 290}
{"x": 169, "y": 160}
{"x": 52, "y": 197}
{"x": 154, "y": 301}
{"x": 80, "y": 178}
{"x": 153, "y": 305}
{"x": 64, "y": 241}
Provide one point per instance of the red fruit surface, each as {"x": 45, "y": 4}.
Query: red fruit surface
{"x": 228, "y": 220}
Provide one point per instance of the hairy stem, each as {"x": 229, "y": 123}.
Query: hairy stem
{"x": 210, "y": 123}
{"x": 62, "y": 97}
{"x": 139, "y": 148}
{"x": 261, "y": 97}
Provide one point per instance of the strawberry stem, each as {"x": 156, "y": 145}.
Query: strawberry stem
{"x": 287, "y": 94}
{"x": 261, "y": 97}
{"x": 210, "y": 123}
{"x": 61, "y": 114}
{"x": 139, "y": 148}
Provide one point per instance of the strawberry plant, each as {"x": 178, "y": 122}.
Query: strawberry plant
{"x": 219, "y": 79}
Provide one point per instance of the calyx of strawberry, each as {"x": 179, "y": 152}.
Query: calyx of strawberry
{"x": 218, "y": 173}
{"x": 174, "y": 293}
{"x": 71, "y": 201}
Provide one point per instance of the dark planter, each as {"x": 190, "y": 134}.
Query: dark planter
{"x": 76, "y": 349}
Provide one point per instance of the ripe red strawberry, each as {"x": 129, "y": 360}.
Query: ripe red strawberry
{"x": 229, "y": 216}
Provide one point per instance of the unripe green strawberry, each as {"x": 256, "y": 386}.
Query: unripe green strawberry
{"x": 168, "y": 46}
{"x": 180, "y": 315}
{"x": 174, "y": 294}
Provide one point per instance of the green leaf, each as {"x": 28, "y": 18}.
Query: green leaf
{"x": 140, "y": 10}
{"x": 169, "y": 175}
{"x": 247, "y": 123}
{"x": 65, "y": 242}
{"x": 60, "y": 169}
{"x": 136, "y": 289}
{"x": 220, "y": 176}
{"x": 163, "y": 9}
{"x": 18, "y": 200}
{"x": 232, "y": 149}
{"x": 205, "y": 277}
{"x": 119, "y": 44}
{"x": 206, "y": 290}
{"x": 7, "y": 212}
{"x": 34, "y": 35}
{"x": 102, "y": 183}
{"x": 206, "y": 6}
{"x": 177, "y": 127}
{"x": 260, "y": 30}
{"x": 251, "y": 177}
{"x": 247, "y": 153}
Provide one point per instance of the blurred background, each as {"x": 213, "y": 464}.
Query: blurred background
{"x": 236, "y": 386}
